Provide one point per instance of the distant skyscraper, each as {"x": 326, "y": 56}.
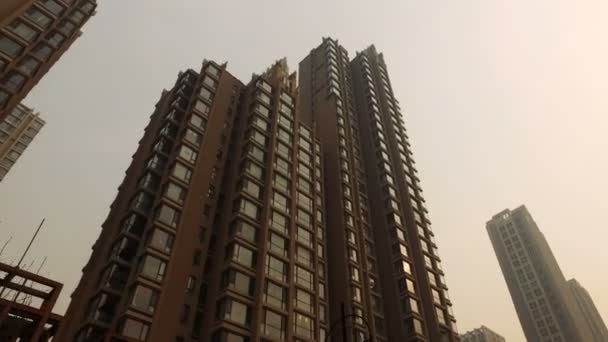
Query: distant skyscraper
{"x": 545, "y": 307}
{"x": 16, "y": 132}
{"x": 592, "y": 315}
{"x": 33, "y": 36}
{"x": 247, "y": 213}
{"x": 482, "y": 334}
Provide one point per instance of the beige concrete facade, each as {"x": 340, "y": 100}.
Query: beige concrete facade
{"x": 17, "y": 131}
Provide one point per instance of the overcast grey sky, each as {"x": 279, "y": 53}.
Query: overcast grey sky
{"x": 505, "y": 102}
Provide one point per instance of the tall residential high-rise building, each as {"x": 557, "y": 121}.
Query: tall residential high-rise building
{"x": 33, "y": 36}
{"x": 383, "y": 262}
{"x": 545, "y": 307}
{"x": 482, "y": 334}
{"x": 246, "y": 216}
{"x": 17, "y": 131}
{"x": 590, "y": 312}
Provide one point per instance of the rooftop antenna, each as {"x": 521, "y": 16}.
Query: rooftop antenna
{"x": 5, "y": 244}
{"x": 28, "y": 298}
{"x": 10, "y": 276}
{"x": 27, "y": 249}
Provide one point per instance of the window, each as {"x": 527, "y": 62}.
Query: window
{"x": 281, "y": 183}
{"x": 201, "y": 106}
{"x": 213, "y": 70}
{"x": 250, "y": 188}
{"x": 275, "y": 268}
{"x": 278, "y": 244}
{"x": 13, "y": 81}
{"x": 87, "y": 7}
{"x": 23, "y": 30}
{"x": 413, "y": 304}
{"x": 351, "y": 237}
{"x": 242, "y": 255}
{"x": 168, "y": 215}
{"x": 254, "y": 170}
{"x": 258, "y": 137}
{"x": 284, "y": 136}
{"x": 175, "y": 192}
{"x": 255, "y": 153}
{"x": 244, "y": 230}
{"x": 263, "y": 111}
{"x": 303, "y": 326}
{"x": 436, "y": 297}
{"x": 440, "y": 315}
{"x": 187, "y": 153}
{"x": 67, "y": 28}
{"x": 417, "y": 326}
{"x": 353, "y": 255}
{"x": 28, "y": 66}
{"x": 77, "y": 16}
{"x": 304, "y": 256}
{"x": 303, "y": 277}
{"x": 287, "y": 98}
{"x": 304, "y": 218}
{"x": 304, "y": 300}
{"x": 237, "y": 281}
{"x": 37, "y": 17}
{"x": 305, "y": 171}
{"x": 198, "y": 122}
{"x": 281, "y": 202}
{"x": 428, "y": 262}
{"x": 279, "y": 222}
{"x": 321, "y": 290}
{"x": 153, "y": 267}
{"x": 181, "y": 172}
{"x": 287, "y": 123}
{"x": 207, "y": 95}
{"x": 190, "y": 284}
{"x": 55, "y": 39}
{"x": 161, "y": 240}
{"x": 283, "y": 150}
{"x": 283, "y": 165}
{"x": 3, "y": 97}
{"x": 264, "y": 98}
{"x": 356, "y": 293}
{"x": 193, "y": 137}
{"x": 248, "y": 208}
{"x": 406, "y": 267}
{"x": 210, "y": 82}
{"x": 273, "y": 325}
{"x": 304, "y": 236}
{"x": 134, "y": 329}
{"x": 275, "y": 295}
{"x": 235, "y": 311}
{"x": 144, "y": 299}
{"x": 52, "y": 6}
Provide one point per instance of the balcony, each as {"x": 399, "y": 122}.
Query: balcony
{"x": 103, "y": 307}
{"x": 125, "y": 249}
{"x": 134, "y": 224}
{"x": 115, "y": 277}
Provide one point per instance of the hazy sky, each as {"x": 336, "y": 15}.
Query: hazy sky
{"x": 505, "y": 102}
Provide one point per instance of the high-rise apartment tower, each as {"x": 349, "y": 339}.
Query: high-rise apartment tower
{"x": 246, "y": 216}
{"x": 384, "y": 262}
{"x": 592, "y": 315}
{"x": 482, "y": 334}
{"x": 33, "y": 36}
{"x": 545, "y": 307}
{"x": 17, "y": 131}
